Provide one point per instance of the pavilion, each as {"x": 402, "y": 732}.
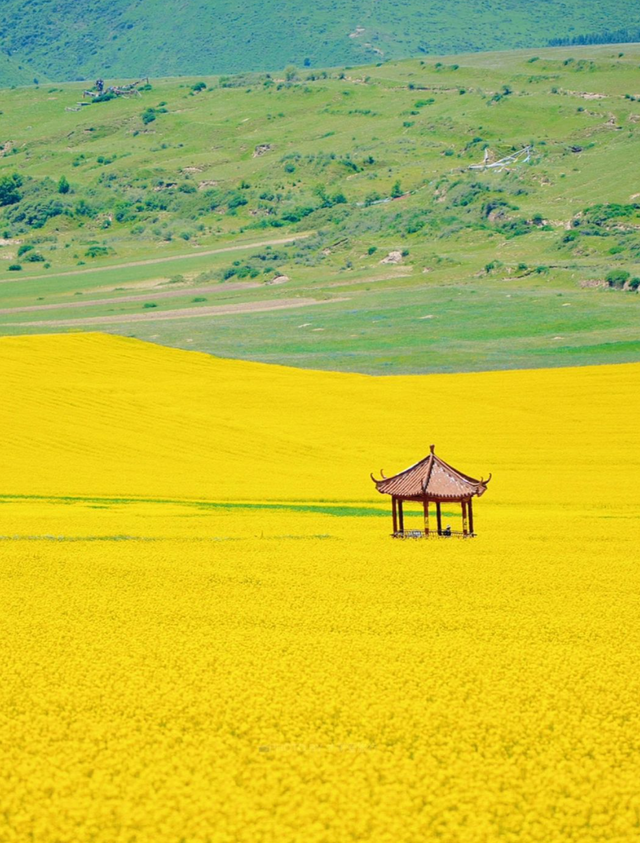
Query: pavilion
{"x": 431, "y": 480}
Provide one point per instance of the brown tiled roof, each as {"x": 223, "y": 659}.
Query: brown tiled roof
{"x": 431, "y": 478}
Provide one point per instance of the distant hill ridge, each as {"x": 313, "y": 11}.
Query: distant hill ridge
{"x": 67, "y": 40}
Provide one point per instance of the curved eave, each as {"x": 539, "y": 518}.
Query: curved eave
{"x": 428, "y": 480}
{"x": 435, "y": 498}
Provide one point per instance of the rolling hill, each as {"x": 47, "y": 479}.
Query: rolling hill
{"x": 337, "y": 219}
{"x": 66, "y": 40}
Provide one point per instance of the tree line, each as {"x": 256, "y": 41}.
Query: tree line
{"x": 619, "y": 36}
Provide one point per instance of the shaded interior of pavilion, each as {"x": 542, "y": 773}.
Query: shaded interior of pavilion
{"x": 436, "y": 516}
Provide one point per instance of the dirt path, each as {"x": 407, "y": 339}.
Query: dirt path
{"x": 177, "y": 291}
{"x": 406, "y": 272}
{"x": 150, "y": 261}
{"x": 186, "y": 313}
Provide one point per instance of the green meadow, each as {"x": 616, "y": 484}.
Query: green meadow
{"x": 335, "y": 219}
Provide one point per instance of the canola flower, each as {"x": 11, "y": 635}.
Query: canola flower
{"x": 207, "y": 634}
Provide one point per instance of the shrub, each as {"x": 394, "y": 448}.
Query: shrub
{"x": 297, "y": 214}
{"x": 26, "y": 247}
{"x": 617, "y": 278}
{"x": 96, "y": 252}
{"x": 105, "y": 97}
{"x": 9, "y": 189}
{"x": 124, "y": 212}
{"x": 34, "y": 257}
{"x": 148, "y": 116}
{"x": 35, "y": 213}
{"x": 83, "y": 209}
{"x": 149, "y": 304}
{"x": 15, "y": 267}
{"x": 634, "y": 283}
{"x": 235, "y": 201}
{"x": 63, "y": 185}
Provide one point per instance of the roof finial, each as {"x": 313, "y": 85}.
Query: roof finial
{"x": 433, "y": 447}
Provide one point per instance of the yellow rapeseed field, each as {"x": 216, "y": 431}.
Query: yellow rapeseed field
{"x": 207, "y": 634}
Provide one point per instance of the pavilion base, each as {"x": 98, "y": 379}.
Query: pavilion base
{"x": 420, "y": 534}
{"x": 431, "y": 529}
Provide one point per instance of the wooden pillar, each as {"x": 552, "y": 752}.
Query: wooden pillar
{"x": 394, "y": 510}
{"x": 426, "y": 517}
{"x": 401, "y": 515}
{"x": 464, "y": 517}
{"x": 439, "y": 517}
{"x": 470, "y": 505}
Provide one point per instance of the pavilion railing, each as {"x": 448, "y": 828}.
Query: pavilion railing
{"x": 432, "y": 534}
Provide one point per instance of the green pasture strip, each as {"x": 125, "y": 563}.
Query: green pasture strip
{"x": 434, "y": 329}
{"x": 149, "y": 306}
{"x": 341, "y": 510}
{"x": 172, "y": 539}
{"x": 47, "y": 538}
{"x": 164, "y": 294}
{"x": 406, "y": 329}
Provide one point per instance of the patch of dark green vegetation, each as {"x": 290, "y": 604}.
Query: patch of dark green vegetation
{"x": 339, "y": 510}
{"x": 607, "y": 36}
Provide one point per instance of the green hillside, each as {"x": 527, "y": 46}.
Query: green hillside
{"x": 14, "y": 71}
{"x": 335, "y": 219}
{"x": 67, "y": 40}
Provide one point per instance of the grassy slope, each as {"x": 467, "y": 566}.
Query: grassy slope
{"x": 70, "y": 40}
{"x": 16, "y": 71}
{"x": 358, "y": 134}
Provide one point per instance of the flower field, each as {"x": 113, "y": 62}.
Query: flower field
{"x": 208, "y": 635}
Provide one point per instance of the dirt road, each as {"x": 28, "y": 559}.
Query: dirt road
{"x": 151, "y": 295}
{"x": 185, "y": 313}
{"x": 237, "y": 248}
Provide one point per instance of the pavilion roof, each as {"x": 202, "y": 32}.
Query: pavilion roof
{"x": 431, "y": 478}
